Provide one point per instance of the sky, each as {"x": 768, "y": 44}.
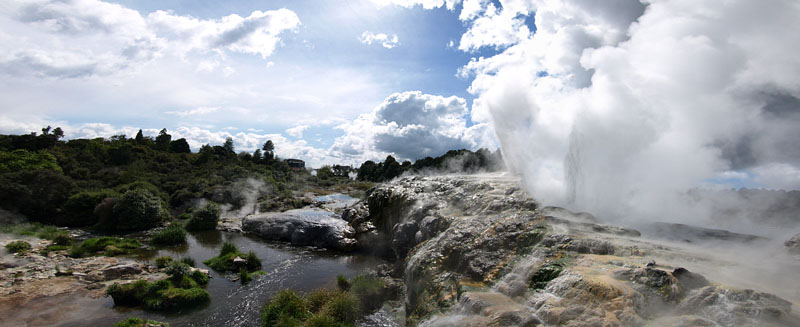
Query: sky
{"x": 601, "y": 104}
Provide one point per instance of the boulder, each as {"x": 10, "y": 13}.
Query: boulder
{"x": 303, "y": 227}
{"x": 120, "y": 270}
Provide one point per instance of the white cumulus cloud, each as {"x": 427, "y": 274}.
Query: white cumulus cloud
{"x": 386, "y": 41}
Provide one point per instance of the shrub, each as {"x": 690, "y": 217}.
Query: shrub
{"x": 18, "y": 247}
{"x": 137, "y": 209}
{"x": 344, "y": 307}
{"x": 318, "y": 298}
{"x": 200, "y": 277}
{"x": 105, "y": 245}
{"x": 79, "y": 208}
{"x": 368, "y": 290}
{"x": 167, "y": 294}
{"x": 224, "y": 261}
{"x": 228, "y": 247}
{"x": 285, "y": 308}
{"x": 177, "y": 270}
{"x": 173, "y": 234}
{"x": 62, "y": 238}
{"x": 138, "y": 322}
{"x": 321, "y": 320}
{"x": 162, "y": 262}
{"x": 176, "y": 298}
{"x": 189, "y": 261}
{"x": 204, "y": 218}
{"x": 342, "y": 283}
{"x": 244, "y": 276}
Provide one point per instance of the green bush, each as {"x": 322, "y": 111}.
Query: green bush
{"x": 318, "y": 298}
{"x": 189, "y": 261}
{"x": 79, "y": 208}
{"x": 168, "y": 294}
{"x": 106, "y": 245}
{"x": 244, "y": 276}
{"x": 62, "y": 238}
{"x": 369, "y": 290}
{"x": 284, "y": 308}
{"x": 200, "y": 277}
{"x": 342, "y": 283}
{"x": 138, "y": 322}
{"x": 178, "y": 269}
{"x": 204, "y": 218}
{"x": 224, "y": 261}
{"x": 344, "y": 307}
{"x": 162, "y": 262}
{"x": 321, "y": 320}
{"x": 172, "y": 235}
{"x": 137, "y": 209}
{"x": 18, "y": 247}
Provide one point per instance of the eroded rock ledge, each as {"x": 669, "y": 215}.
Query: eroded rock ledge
{"x": 478, "y": 251}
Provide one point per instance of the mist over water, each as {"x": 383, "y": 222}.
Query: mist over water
{"x": 620, "y": 109}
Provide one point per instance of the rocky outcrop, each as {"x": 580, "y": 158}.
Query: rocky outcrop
{"x": 303, "y": 227}
{"x": 478, "y": 251}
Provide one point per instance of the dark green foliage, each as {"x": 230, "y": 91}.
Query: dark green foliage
{"x": 173, "y": 234}
{"x": 227, "y": 248}
{"x": 228, "y": 252}
{"x": 162, "y": 262}
{"x": 18, "y": 247}
{"x": 453, "y": 161}
{"x": 178, "y": 291}
{"x": 177, "y": 270}
{"x": 19, "y": 160}
{"x": 318, "y": 298}
{"x": 204, "y": 218}
{"x": 200, "y": 277}
{"x": 47, "y": 232}
{"x": 107, "y": 245}
{"x": 286, "y": 307}
{"x": 37, "y": 194}
{"x": 545, "y": 274}
{"x": 321, "y": 320}
{"x": 244, "y": 276}
{"x": 369, "y": 290}
{"x": 189, "y": 261}
{"x": 138, "y": 322}
{"x": 62, "y": 238}
{"x": 342, "y": 283}
{"x": 138, "y": 209}
{"x": 343, "y": 307}
{"x": 79, "y": 208}
{"x": 179, "y": 146}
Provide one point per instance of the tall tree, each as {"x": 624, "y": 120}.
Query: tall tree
{"x": 139, "y": 137}
{"x": 162, "y": 140}
{"x": 268, "y": 150}
{"x": 228, "y": 146}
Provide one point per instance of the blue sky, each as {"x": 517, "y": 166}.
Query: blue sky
{"x": 320, "y": 75}
{"x": 641, "y": 100}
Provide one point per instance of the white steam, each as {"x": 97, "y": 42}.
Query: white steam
{"x": 618, "y": 107}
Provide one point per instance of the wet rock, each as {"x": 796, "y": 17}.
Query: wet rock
{"x": 430, "y": 226}
{"x": 117, "y": 271}
{"x": 562, "y": 213}
{"x": 656, "y": 281}
{"x": 735, "y": 307}
{"x": 303, "y": 227}
{"x": 688, "y": 233}
{"x": 688, "y": 279}
{"x": 590, "y": 246}
{"x": 404, "y": 237}
{"x": 592, "y": 227}
{"x": 793, "y": 244}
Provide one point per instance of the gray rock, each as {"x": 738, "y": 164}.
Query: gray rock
{"x": 120, "y": 270}
{"x": 688, "y": 279}
{"x": 303, "y": 227}
{"x": 590, "y": 246}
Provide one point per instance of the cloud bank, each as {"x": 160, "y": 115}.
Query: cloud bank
{"x": 618, "y": 106}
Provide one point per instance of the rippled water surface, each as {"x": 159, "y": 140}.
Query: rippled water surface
{"x": 233, "y": 304}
